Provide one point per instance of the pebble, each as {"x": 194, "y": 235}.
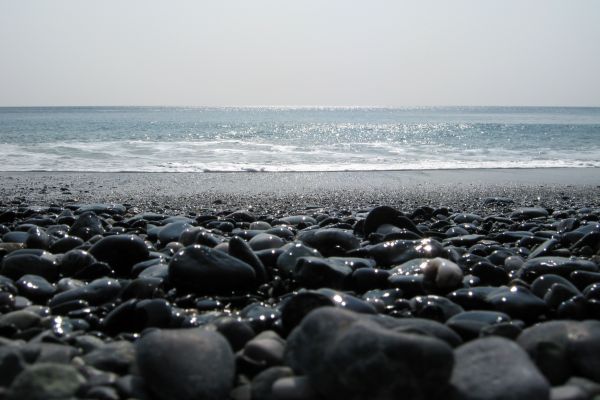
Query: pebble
{"x": 496, "y": 368}
{"x": 201, "y": 269}
{"x": 315, "y": 304}
{"x": 186, "y": 364}
{"x": 361, "y": 362}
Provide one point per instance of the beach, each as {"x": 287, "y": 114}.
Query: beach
{"x": 284, "y": 285}
{"x": 297, "y": 190}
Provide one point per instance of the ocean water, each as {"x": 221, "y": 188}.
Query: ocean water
{"x": 171, "y": 139}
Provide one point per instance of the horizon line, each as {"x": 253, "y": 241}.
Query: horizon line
{"x": 301, "y": 106}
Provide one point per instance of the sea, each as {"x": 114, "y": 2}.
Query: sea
{"x": 227, "y": 139}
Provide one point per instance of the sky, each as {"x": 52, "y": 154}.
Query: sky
{"x": 300, "y": 53}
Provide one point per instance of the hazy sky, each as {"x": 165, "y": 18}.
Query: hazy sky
{"x": 304, "y": 52}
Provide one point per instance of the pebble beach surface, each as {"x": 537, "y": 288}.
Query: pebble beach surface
{"x": 393, "y": 285}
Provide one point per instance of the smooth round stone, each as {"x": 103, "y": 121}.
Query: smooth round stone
{"x": 316, "y": 272}
{"x": 543, "y": 283}
{"x": 466, "y": 218}
{"x": 329, "y": 241}
{"x": 35, "y": 288}
{"x": 202, "y": 269}
{"x": 554, "y": 265}
{"x": 518, "y": 302}
{"x": 347, "y": 301}
{"x": 65, "y": 244}
{"x": 489, "y": 274}
{"x": 15, "y": 237}
{"x": 383, "y": 300}
{"x": 582, "y": 279}
{"x": 292, "y": 388}
{"x": 134, "y": 316}
{"x": 496, "y": 368}
{"x": 86, "y": 226}
{"x": 456, "y": 231}
{"x": 186, "y": 364}
{"x": 121, "y": 252}
{"x": 237, "y": 332}
{"x": 329, "y": 338}
{"x": 20, "y": 319}
{"x": 558, "y": 293}
{"x": 117, "y": 356}
{"x": 240, "y": 249}
{"x": 242, "y": 216}
{"x": 434, "y": 307}
{"x": 141, "y": 288}
{"x": 45, "y": 381}
{"x": 16, "y": 265}
{"x": 196, "y": 235}
{"x": 464, "y": 240}
{"x": 384, "y": 215}
{"x": 262, "y": 383}
{"x": 544, "y": 249}
{"x": 442, "y": 274}
{"x": 102, "y": 208}
{"x": 400, "y": 251}
{"x": 260, "y": 226}
{"x": 74, "y": 261}
{"x": 296, "y": 220}
{"x": 260, "y": 316}
{"x": 411, "y": 285}
{"x": 296, "y": 307}
{"x": 469, "y": 324}
{"x": 364, "y": 279}
{"x": 171, "y": 232}
{"x": 11, "y": 364}
{"x": 562, "y": 349}
{"x": 265, "y": 350}
{"x": 97, "y": 292}
{"x": 264, "y": 241}
{"x": 37, "y": 238}
{"x": 529, "y": 213}
{"x": 281, "y": 231}
{"x": 286, "y": 261}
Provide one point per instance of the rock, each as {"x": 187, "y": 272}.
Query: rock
{"x": 564, "y": 348}
{"x": 399, "y": 251}
{"x": 562, "y": 266}
{"x": 11, "y": 364}
{"x": 264, "y": 241}
{"x": 186, "y": 364}
{"x": 121, "y": 252}
{"x": 201, "y": 269}
{"x": 241, "y": 250}
{"x": 496, "y": 368}
{"x": 528, "y": 213}
{"x": 293, "y": 388}
{"x": 115, "y": 357}
{"x": 441, "y": 274}
{"x": 262, "y": 383}
{"x": 87, "y": 225}
{"x": 171, "y": 232}
{"x": 20, "y": 319}
{"x": 45, "y": 381}
{"x": 329, "y": 241}
{"x": 37, "y": 238}
{"x": 518, "y": 302}
{"x": 469, "y": 324}
{"x": 346, "y": 355}
{"x": 317, "y": 272}
{"x": 286, "y": 261}
{"x": 16, "y": 265}
{"x": 35, "y": 288}
{"x": 387, "y": 215}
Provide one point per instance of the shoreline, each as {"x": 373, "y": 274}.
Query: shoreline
{"x": 460, "y": 188}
